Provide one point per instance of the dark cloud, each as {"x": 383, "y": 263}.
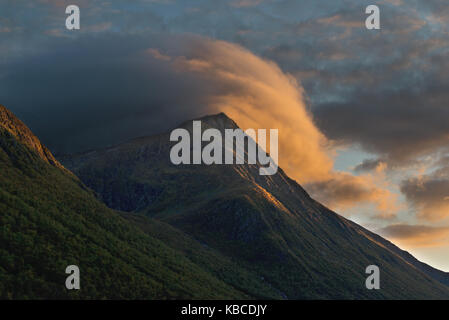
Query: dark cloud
{"x": 429, "y": 194}
{"x": 399, "y": 125}
{"x": 95, "y": 91}
{"x": 408, "y": 231}
{"x": 369, "y": 165}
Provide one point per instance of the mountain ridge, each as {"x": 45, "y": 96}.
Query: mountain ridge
{"x": 49, "y": 220}
{"x": 236, "y": 211}
{"x": 250, "y": 236}
{"x": 17, "y": 128}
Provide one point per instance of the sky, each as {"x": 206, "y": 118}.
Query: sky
{"x": 363, "y": 115}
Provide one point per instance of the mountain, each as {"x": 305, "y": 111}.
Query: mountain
{"x": 267, "y": 225}
{"x": 12, "y": 126}
{"x": 49, "y": 219}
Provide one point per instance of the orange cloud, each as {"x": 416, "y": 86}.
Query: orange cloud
{"x": 256, "y": 93}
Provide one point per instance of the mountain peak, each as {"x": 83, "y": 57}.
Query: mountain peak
{"x": 15, "y": 127}
{"x": 218, "y": 121}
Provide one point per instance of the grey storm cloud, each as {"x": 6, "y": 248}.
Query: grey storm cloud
{"x": 384, "y": 90}
{"x": 91, "y": 92}
{"x": 398, "y": 125}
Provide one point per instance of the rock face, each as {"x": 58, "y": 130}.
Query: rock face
{"x": 23, "y": 134}
{"x": 267, "y": 224}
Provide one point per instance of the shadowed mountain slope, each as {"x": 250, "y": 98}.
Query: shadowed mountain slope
{"x": 267, "y": 224}
{"x": 49, "y": 220}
